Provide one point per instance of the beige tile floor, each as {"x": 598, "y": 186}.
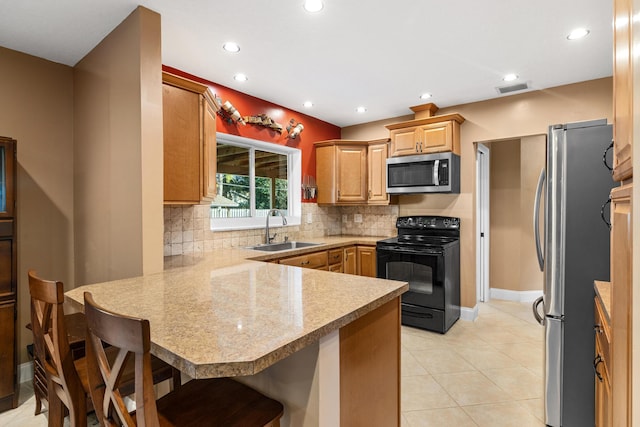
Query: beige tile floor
{"x": 482, "y": 373}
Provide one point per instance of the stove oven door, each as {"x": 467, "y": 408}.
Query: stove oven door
{"x": 423, "y": 268}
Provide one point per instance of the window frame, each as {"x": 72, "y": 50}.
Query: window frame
{"x": 294, "y": 176}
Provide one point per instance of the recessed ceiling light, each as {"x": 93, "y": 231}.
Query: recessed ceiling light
{"x": 241, "y": 77}
{"x": 578, "y": 33}
{"x": 425, "y": 96}
{"x": 307, "y": 104}
{"x": 313, "y": 5}
{"x": 361, "y": 109}
{"x": 232, "y": 47}
{"x": 510, "y": 77}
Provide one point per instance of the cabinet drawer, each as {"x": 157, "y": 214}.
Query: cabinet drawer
{"x": 603, "y": 332}
{"x": 335, "y": 256}
{"x": 315, "y": 260}
{"x": 336, "y": 268}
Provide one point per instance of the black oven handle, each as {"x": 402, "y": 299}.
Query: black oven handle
{"x": 415, "y": 251}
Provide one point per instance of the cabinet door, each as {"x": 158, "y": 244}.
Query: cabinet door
{"x": 209, "y": 163}
{"x": 404, "y": 141}
{"x": 366, "y": 261}
{"x": 603, "y": 393}
{"x": 7, "y": 271}
{"x": 7, "y": 355}
{"x": 377, "y": 168}
{"x": 350, "y": 263}
{"x": 352, "y": 173}
{"x": 622, "y": 90}
{"x": 181, "y": 127}
{"x": 436, "y": 137}
{"x": 621, "y": 297}
{"x": 7, "y": 178}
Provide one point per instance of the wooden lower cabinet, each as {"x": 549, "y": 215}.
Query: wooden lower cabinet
{"x": 7, "y": 356}
{"x": 335, "y": 260}
{"x": 350, "y": 260}
{"x": 621, "y": 308}
{"x": 356, "y": 259}
{"x": 370, "y": 368}
{"x": 602, "y": 367}
{"x": 366, "y": 261}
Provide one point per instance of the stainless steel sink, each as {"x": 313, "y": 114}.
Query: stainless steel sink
{"x": 283, "y": 246}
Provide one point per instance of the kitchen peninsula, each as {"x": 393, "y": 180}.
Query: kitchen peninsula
{"x": 327, "y": 345}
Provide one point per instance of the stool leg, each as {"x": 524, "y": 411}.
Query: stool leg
{"x": 56, "y": 410}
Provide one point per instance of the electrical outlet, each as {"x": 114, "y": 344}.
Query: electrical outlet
{"x": 344, "y": 218}
{"x": 357, "y": 218}
{"x": 309, "y": 217}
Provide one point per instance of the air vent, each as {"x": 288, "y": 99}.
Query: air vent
{"x": 512, "y": 88}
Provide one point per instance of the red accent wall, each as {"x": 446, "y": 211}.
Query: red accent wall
{"x": 314, "y": 129}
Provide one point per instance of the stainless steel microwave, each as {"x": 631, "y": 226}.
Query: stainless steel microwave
{"x": 424, "y": 173}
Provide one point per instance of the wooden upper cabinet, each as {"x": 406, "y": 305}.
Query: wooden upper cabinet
{"x": 622, "y": 90}
{"x": 351, "y": 166}
{"x": 377, "y": 154}
{"x": 189, "y": 126}
{"x": 351, "y": 172}
{"x": 428, "y": 135}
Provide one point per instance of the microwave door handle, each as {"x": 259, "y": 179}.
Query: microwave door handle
{"x": 436, "y": 170}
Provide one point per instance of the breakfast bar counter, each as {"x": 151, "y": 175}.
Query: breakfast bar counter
{"x": 316, "y": 340}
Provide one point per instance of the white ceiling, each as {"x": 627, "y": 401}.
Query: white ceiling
{"x": 377, "y": 53}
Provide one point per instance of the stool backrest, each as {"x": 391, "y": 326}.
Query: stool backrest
{"x": 131, "y": 337}
{"x": 52, "y": 343}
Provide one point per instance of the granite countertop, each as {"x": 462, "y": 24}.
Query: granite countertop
{"x": 603, "y": 291}
{"x": 226, "y": 314}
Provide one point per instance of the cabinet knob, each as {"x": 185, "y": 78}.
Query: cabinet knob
{"x": 598, "y": 329}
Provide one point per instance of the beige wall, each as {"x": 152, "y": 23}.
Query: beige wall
{"x": 515, "y": 168}
{"x": 37, "y": 111}
{"x": 507, "y": 117}
{"x": 118, "y": 153}
{"x": 532, "y": 161}
{"x": 504, "y": 215}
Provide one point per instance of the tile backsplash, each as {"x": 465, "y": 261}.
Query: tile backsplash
{"x": 187, "y": 228}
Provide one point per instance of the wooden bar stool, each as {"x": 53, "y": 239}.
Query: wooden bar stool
{"x": 76, "y": 328}
{"x": 210, "y": 402}
{"x": 67, "y": 383}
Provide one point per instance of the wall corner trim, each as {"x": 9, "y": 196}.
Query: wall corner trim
{"x": 469, "y": 314}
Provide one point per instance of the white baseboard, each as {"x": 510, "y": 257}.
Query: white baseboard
{"x": 25, "y": 372}
{"x": 518, "y": 296}
{"x": 469, "y": 314}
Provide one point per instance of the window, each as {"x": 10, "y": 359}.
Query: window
{"x": 254, "y": 177}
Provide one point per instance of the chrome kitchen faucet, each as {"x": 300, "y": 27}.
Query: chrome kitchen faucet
{"x": 267, "y": 238}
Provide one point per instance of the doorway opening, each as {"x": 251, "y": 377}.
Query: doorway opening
{"x": 506, "y": 176}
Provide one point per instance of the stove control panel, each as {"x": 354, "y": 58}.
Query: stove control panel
{"x": 428, "y": 222}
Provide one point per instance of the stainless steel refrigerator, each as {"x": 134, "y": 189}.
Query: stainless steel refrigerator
{"x": 573, "y": 251}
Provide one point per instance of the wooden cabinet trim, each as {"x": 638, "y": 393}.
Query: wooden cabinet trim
{"x": 434, "y": 119}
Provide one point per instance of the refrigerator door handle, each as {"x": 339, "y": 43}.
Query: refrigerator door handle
{"x": 536, "y": 313}
{"x": 536, "y": 219}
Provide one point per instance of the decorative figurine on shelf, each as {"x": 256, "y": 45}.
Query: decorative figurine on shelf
{"x": 294, "y": 129}
{"x": 264, "y": 120}
{"x": 230, "y": 114}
